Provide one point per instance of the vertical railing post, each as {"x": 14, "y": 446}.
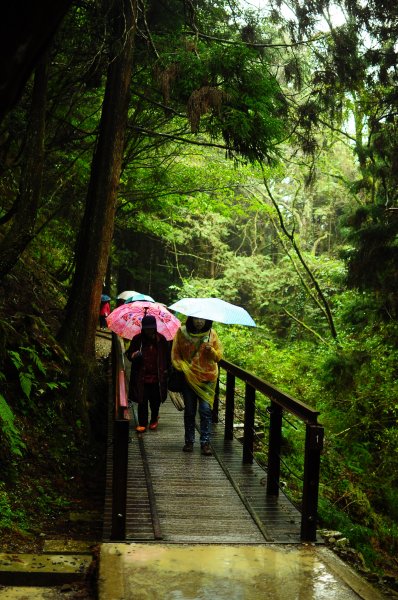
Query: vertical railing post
{"x": 114, "y": 356}
{"x": 216, "y": 401}
{"x": 115, "y": 375}
{"x": 274, "y": 449}
{"x": 229, "y": 407}
{"x": 248, "y": 436}
{"x": 312, "y": 461}
{"x": 119, "y": 480}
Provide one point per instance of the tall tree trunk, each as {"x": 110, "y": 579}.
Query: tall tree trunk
{"x": 95, "y": 238}
{"x": 22, "y": 228}
{"x": 26, "y": 30}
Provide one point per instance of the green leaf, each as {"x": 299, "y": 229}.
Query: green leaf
{"x": 15, "y": 359}
{"x": 35, "y": 358}
{"x": 52, "y": 385}
{"x": 25, "y": 380}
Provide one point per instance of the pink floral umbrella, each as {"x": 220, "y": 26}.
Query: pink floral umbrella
{"x": 126, "y": 319}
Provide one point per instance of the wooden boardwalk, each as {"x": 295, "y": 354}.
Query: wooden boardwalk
{"x": 198, "y": 499}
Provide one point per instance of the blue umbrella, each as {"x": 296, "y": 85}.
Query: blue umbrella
{"x": 105, "y": 298}
{"x": 213, "y": 309}
{"x": 137, "y": 296}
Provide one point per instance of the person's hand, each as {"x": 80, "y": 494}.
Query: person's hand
{"x": 209, "y": 351}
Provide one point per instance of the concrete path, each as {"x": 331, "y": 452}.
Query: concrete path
{"x": 42, "y": 569}
{"x": 218, "y": 572}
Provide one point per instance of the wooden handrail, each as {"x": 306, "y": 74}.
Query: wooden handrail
{"x": 279, "y": 401}
{"x": 297, "y": 408}
{"x": 313, "y": 441}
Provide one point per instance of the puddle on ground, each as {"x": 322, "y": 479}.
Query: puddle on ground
{"x": 179, "y": 572}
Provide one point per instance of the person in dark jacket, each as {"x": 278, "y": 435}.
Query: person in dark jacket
{"x": 149, "y": 353}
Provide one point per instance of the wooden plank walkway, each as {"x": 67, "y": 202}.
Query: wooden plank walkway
{"x": 197, "y": 499}
{"x": 200, "y": 499}
{"x": 196, "y": 502}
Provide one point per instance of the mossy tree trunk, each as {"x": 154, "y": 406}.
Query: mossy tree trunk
{"x": 96, "y": 232}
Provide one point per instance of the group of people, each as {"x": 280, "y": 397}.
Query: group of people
{"x": 195, "y": 352}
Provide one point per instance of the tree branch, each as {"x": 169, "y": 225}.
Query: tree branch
{"x": 310, "y": 274}
{"x": 307, "y": 327}
{"x": 180, "y": 139}
{"x": 212, "y": 38}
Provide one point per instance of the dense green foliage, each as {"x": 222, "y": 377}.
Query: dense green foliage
{"x": 300, "y": 227}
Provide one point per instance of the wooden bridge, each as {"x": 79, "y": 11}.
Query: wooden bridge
{"x": 157, "y": 492}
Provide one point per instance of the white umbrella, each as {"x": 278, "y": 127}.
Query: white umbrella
{"x": 126, "y": 294}
{"x": 139, "y": 297}
{"x": 213, "y": 309}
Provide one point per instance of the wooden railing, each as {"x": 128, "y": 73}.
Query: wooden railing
{"x": 279, "y": 402}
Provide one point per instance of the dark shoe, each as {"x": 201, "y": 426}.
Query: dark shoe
{"x": 188, "y": 447}
{"x": 206, "y": 450}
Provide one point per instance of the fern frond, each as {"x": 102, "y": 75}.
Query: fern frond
{"x": 8, "y": 429}
{"x": 35, "y": 358}
{"x": 25, "y": 380}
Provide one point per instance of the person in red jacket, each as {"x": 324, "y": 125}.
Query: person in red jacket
{"x": 149, "y": 353}
{"x": 105, "y": 310}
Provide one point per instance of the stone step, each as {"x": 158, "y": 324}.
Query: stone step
{"x": 88, "y": 516}
{"x": 26, "y": 593}
{"x": 68, "y": 546}
{"x": 42, "y": 569}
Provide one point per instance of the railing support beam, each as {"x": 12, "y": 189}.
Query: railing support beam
{"x": 274, "y": 449}
{"x": 312, "y": 461}
{"x": 229, "y": 407}
{"x": 216, "y": 404}
{"x": 248, "y": 436}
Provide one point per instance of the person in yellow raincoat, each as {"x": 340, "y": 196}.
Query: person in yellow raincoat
{"x": 196, "y": 350}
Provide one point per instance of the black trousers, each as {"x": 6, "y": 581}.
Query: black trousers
{"x": 152, "y": 397}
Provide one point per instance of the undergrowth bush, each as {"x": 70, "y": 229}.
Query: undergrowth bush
{"x": 353, "y": 382}
{"x": 10, "y": 517}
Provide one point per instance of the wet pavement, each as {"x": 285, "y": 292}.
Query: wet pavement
{"x": 43, "y": 593}
{"x": 219, "y": 572}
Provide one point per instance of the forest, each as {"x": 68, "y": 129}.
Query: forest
{"x": 220, "y": 148}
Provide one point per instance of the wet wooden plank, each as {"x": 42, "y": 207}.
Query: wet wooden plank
{"x": 279, "y": 516}
{"x": 139, "y": 524}
{"x": 195, "y": 500}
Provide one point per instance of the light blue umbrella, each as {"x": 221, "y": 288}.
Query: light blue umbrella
{"x": 105, "y": 298}
{"x": 137, "y": 296}
{"x": 213, "y": 309}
